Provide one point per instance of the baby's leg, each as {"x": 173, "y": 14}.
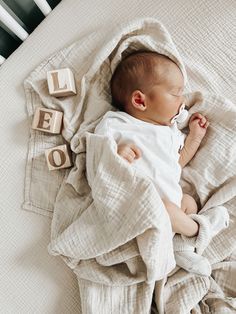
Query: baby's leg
{"x": 188, "y": 205}
{"x": 181, "y": 222}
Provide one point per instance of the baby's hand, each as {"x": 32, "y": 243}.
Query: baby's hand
{"x": 198, "y": 125}
{"x": 129, "y": 152}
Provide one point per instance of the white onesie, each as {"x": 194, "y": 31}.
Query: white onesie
{"x": 159, "y": 146}
{"x": 160, "y": 161}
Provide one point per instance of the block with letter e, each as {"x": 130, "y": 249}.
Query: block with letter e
{"x": 58, "y": 157}
{"x": 47, "y": 120}
{"x": 61, "y": 82}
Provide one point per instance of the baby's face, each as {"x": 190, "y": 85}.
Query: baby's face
{"x": 164, "y": 99}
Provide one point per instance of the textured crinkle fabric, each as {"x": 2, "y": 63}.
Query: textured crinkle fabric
{"x": 114, "y": 232}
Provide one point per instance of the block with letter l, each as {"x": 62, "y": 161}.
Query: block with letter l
{"x": 58, "y": 157}
{"x": 61, "y": 82}
{"x": 47, "y": 120}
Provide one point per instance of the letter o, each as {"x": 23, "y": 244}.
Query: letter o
{"x": 51, "y": 158}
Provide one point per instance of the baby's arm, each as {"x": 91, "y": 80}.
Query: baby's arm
{"x": 198, "y": 125}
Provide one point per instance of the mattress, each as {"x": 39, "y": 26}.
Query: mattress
{"x": 31, "y": 281}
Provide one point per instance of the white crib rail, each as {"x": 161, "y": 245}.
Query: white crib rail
{"x": 43, "y": 6}
{"x": 2, "y": 59}
{"x": 13, "y": 25}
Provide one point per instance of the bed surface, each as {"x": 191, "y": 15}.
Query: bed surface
{"x": 31, "y": 281}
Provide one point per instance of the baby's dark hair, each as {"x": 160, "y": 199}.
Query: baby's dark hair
{"x": 138, "y": 71}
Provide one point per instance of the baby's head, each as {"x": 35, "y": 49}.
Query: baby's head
{"x": 148, "y": 86}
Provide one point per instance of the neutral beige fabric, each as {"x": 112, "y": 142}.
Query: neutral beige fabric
{"x": 85, "y": 58}
{"x": 86, "y": 227}
{"x": 204, "y": 32}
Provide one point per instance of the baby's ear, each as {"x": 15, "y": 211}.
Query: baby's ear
{"x": 138, "y": 100}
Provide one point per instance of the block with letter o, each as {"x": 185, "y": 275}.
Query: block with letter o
{"x": 58, "y": 157}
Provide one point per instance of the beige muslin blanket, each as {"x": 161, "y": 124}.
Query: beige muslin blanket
{"x": 108, "y": 222}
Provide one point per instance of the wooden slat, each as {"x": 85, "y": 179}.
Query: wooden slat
{"x": 2, "y": 59}
{"x": 43, "y": 6}
{"x": 12, "y": 24}
{"x": 26, "y": 11}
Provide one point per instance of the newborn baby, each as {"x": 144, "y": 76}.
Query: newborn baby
{"x": 147, "y": 90}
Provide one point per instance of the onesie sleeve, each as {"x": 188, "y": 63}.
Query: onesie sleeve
{"x": 109, "y": 127}
{"x": 102, "y": 128}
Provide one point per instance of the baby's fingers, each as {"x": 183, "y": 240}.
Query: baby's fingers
{"x": 129, "y": 151}
{"x": 136, "y": 151}
{"x": 206, "y": 125}
{"x": 195, "y": 116}
{"x": 129, "y": 155}
{"x": 130, "y": 158}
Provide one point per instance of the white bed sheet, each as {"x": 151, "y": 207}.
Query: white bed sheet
{"x": 31, "y": 281}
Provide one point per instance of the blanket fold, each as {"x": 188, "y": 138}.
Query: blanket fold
{"x": 125, "y": 207}
{"x": 108, "y": 222}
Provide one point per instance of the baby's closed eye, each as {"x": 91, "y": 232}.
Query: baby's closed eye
{"x": 178, "y": 92}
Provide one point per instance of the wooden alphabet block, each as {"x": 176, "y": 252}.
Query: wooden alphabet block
{"x": 47, "y": 120}
{"x": 61, "y": 82}
{"x": 58, "y": 157}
